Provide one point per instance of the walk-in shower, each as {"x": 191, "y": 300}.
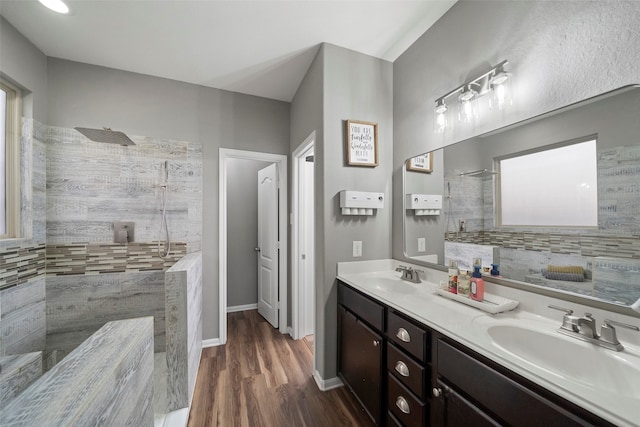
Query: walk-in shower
{"x": 163, "y": 221}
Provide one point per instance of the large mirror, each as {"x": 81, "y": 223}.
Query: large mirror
{"x": 553, "y": 201}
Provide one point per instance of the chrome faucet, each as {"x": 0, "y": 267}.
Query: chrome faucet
{"x": 608, "y": 334}
{"x": 569, "y": 322}
{"x": 584, "y": 328}
{"x": 409, "y": 273}
{"x": 587, "y": 326}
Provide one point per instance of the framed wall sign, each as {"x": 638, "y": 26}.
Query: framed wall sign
{"x": 361, "y": 142}
{"x": 422, "y": 163}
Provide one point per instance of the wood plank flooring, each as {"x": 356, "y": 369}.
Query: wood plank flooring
{"x": 263, "y": 378}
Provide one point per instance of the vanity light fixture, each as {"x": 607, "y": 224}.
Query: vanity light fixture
{"x": 495, "y": 81}
{"x": 56, "y": 5}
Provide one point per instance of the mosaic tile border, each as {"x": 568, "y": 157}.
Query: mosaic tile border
{"x": 19, "y": 264}
{"x": 101, "y": 258}
{"x": 588, "y": 245}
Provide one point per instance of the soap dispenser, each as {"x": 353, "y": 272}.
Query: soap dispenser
{"x": 477, "y": 284}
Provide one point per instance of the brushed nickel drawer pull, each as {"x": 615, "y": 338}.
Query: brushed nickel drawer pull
{"x": 376, "y": 343}
{"x": 403, "y": 405}
{"x": 402, "y": 368}
{"x": 403, "y": 335}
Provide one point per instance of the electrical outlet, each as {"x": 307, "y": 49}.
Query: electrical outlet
{"x": 357, "y": 248}
{"x": 422, "y": 244}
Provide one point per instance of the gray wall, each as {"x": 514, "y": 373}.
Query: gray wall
{"x": 341, "y": 85}
{"x": 307, "y": 117}
{"x": 242, "y": 229}
{"x": 91, "y": 96}
{"x": 560, "y": 52}
{"x": 25, "y": 65}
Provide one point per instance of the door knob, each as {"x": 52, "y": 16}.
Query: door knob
{"x": 257, "y": 249}
{"x": 376, "y": 343}
{"x": 437, "y": 392}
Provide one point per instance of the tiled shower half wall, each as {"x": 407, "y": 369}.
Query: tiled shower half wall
{"x": 91, "y": 280}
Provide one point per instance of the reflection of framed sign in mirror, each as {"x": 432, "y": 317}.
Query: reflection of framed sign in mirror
{"x": 362, "y": 143}
{"x": 422, "y": 163}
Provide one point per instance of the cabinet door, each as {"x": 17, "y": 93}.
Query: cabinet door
{"x": 361, "y": 362}
{"x": 456, "y": 411}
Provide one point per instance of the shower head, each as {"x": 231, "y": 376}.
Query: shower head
{"x": 106, "y": 135}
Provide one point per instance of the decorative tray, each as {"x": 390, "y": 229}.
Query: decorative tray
{"x": 492, "y": 303}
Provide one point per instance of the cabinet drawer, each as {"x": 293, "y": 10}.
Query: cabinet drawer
{"x": 362, "y": 306}
{"x": 393, "y": 421}
{"x": 410, "y": 373}
{"x": 404, "y": 405}
{"x": 490, "y": 389}
{"x": 409, "y": 337}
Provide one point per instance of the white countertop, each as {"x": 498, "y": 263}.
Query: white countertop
{"x": 468, "y": 326}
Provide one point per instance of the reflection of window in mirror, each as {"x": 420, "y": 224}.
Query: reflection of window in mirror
{"x": 9, "y": 160}
{"x": 550, "y": 187}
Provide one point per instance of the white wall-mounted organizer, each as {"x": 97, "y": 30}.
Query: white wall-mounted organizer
{"x": 425, "y": 204}
{"x": 360, "y": 202}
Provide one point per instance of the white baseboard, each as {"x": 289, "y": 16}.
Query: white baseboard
{"x": 326, "y": 385}
{"x": 242, "y": 308}
{"x": 213, "y": 342}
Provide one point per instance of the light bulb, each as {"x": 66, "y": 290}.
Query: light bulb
{"x": 440, "y": 120}
{"x": 467, "y": 111}
{"x": 501, "y": 90}
{"x": 55, "y": 5}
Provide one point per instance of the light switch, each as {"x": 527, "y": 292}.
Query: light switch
{"x": 357, "y": 248}
{"x": 422, "y": 244}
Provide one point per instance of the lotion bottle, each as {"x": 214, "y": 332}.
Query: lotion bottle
{"x": 464, "y": 283}
{"x": 477, "y": 285}
{"x": 453, "y": 277}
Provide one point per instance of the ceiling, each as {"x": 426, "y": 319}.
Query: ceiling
{"x": 261, "y": 47}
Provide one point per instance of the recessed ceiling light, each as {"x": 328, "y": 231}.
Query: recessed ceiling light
{"x": 56, "y": 5}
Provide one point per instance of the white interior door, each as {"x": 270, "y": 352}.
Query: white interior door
{"x": 268, "y": 244}
{"x": 307, "y": 225}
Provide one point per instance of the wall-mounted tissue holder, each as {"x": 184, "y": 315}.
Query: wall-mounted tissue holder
{"x": 360, "y": 202}
{"x": 425, "y": 204}
{"x": 123, "y": 231}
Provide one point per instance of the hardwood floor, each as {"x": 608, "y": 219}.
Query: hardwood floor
{"x": 263, "y": 378}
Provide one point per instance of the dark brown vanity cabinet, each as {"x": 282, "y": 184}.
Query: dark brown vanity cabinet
{"x": 406, "y": 374}
{"x": 471, "y": 390}
{"x": 383, "y": 358}
{"x": 361, "y": 348}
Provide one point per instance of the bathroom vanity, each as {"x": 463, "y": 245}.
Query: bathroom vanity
{"x": 413, "y": 358}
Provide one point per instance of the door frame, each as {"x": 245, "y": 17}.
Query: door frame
{"x": 296, "y": 251}
{"x": 281, "y": 167}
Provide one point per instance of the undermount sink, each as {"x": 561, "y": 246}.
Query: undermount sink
{"x": 390, "y": 282}
{"x": 571, "y": 359}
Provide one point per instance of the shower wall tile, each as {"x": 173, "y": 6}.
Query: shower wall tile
{"x": 22, "y": 266}
{"x": 184, "y": 329}
{"x": 18, "y": 372}
{"x": 22, "y": 318}
{"x": 90, "y": 185}
{"x": 77, "y": 306}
